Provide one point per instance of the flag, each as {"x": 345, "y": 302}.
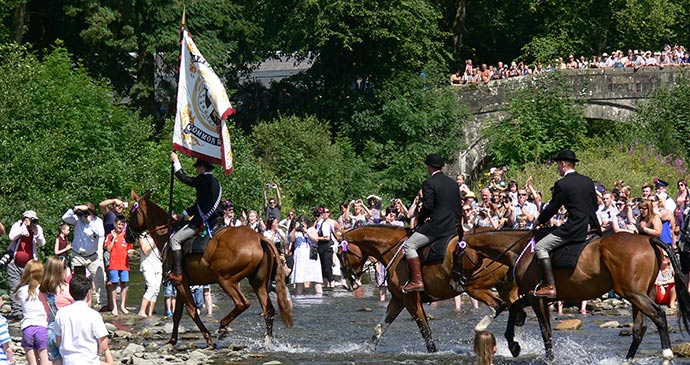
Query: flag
{"x": 202, "y": 109}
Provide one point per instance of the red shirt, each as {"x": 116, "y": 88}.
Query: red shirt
{"x": 119, "y": 260}
{"x": 25, "y": 250}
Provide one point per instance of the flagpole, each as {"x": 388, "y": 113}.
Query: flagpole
{"x": 172, "y": 165}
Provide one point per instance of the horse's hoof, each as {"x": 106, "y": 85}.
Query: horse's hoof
{"x": 514, "y": 348}
{"x": 483, "y": 324}
{"x": 520, "y": 318}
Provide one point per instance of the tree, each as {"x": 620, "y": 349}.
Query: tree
{"x": 666, "y": 119}
{"x": 298, "y": 154}
{"x": 63, "y": 139}
{"x": 542, "y": 121}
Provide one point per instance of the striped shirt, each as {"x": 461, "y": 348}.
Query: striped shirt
{"x": 4, "y": 338}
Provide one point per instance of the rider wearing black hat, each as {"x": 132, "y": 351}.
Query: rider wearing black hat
{"x": 577, "y": 194}
{"x": 440, "y": 215}
{"x": 208, "y": 192}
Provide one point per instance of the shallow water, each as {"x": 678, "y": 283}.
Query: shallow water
{"x": 333, "y": 329}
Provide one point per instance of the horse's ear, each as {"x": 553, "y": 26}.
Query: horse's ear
{"x": 135, "y": 197}
{"x": 147, "y": 195}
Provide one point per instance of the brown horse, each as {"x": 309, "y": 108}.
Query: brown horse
{"x": 627, "y": 263}
{"x": 231, "y": 255}
{"x": 384, "y": 242}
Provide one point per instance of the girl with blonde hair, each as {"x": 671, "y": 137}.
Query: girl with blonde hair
{"x": 34, "y": 324}
{"x": 54, "y": 294}
{"x": 484, "y": 347}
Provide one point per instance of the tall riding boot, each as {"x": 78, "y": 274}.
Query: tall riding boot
{"x": 415, "y": 283}
{"x": 548, "y": 288}
{"x": 176, "y": 275}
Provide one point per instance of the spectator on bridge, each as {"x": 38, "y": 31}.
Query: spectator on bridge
{"x": 572, "y": 63}
{"x": 456, "y": 78}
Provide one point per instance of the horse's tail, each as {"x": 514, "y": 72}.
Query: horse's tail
{"x": 281, "y": 286}
{"x": 681, "y": 284}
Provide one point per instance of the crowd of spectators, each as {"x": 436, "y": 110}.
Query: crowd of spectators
{"x": 669, "y": 56}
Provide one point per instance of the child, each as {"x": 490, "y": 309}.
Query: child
{"x": 170, "y": 293}
{"x": 484, "y": 347}
{"x": 118, "y": 271}
{"x": 198, "y": 296}
{"x": 54, "y": 294}
{"x": 34, "y": 325}
{"x": 62, "y": 245}
{"x": 6, "y": 353}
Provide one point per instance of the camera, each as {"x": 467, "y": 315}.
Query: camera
{"x": 81, "y": 213}
{"x": 34, "y": 221}
{"x": 267, "y": 186}
{"x": 6, "y": 258}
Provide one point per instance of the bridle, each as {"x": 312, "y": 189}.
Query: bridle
{"x": 135, "y": 234}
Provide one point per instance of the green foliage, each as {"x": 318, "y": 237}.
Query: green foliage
{"x": 62, "y": 140}
{"x": 298, "y": 154}
{"x": 648, "y": 23}
{"x": 406, "y": 119}
{"x": 665, "y": 119}
{"x": 542, "y": 122}
{"x": 635, "y": 164}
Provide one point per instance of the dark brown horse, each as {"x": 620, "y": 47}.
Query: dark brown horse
{"x": 231, "y": 255}
{"x": 384, "y": 242}
{"x": 627, "y": 263}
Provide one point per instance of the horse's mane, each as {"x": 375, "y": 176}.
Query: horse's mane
{"x": 380, "y": 227}
{"x": 156, "y": 208}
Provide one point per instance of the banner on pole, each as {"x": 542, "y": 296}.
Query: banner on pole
{"x": 202, "y": 109}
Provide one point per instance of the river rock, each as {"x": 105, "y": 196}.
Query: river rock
{"x": 169, "y": 327}
{"x": 132, "y": 349}
{"x": 610, "y": 324}
{"x": 197, "y": 357}
{"x": 110, "y": 327}
{"x": 569, "y": 324}
{"x": 682, "y": 350}
{"x": 145, "y": 333}
{"x": 365, "y": 309}
{"x": 624, "y": 333}
{"x": 123, "y": 334}
{"x": 274, "y": 362}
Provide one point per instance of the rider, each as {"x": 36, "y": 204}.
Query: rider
{"x": 440, "y": 215}
{"x": 577, "y": 194}
{"x": 208, "y": 192}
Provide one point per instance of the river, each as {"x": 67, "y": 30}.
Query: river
{"x": 333, "y": 329}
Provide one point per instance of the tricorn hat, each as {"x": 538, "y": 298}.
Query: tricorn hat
{"x": 434, "y": 160}
{"x": 206, "y": 164}
{"x": 566, "y": 155}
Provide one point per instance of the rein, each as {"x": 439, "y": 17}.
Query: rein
{"x": 495, "y": 259}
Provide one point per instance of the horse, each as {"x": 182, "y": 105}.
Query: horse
{"x": 384, "y": 242}
{"x": 624, "y": 262}
{"x": 232, "y": 254}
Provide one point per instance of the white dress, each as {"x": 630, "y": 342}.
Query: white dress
{"x": 305, "y": 269}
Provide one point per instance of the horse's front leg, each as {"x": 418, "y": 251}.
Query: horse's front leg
{"x": 395, "y": 306}
{"x": 413, "y": 304}
{"x": 516, "y": 310}
{"x": 184, "y": 295}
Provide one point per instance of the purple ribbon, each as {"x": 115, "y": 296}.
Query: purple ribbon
{"x": 344, "y": 245}
{"x": 462, "y": 244}
{"x": 533, "y": 244}
{"x": 135, "y": 207}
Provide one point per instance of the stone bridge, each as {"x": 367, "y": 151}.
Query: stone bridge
{"x": 608, "y": 94}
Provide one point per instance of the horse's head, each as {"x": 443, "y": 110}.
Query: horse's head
{"x": 352, "y": 264}
{"x": 137, "y": 217}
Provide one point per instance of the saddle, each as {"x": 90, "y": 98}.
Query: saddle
{"x": 200, "y": 240}
{"x": 434, "y": 252}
